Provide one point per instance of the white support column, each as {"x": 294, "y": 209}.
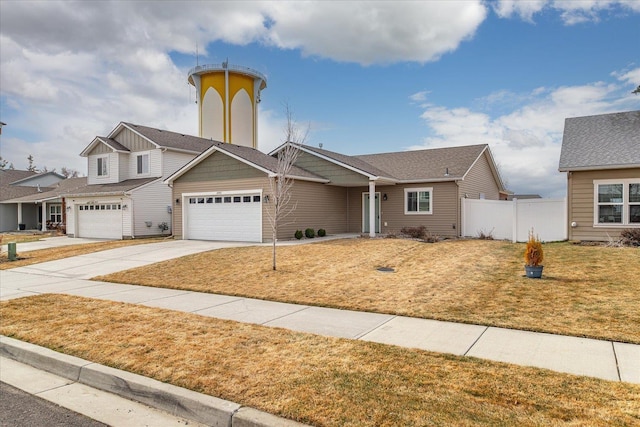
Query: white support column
{"x": 19, "y": 215}
{"x": 372, "y": 209}
{"x": 44, "y": 216}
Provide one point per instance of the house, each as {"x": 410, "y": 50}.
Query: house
{"x": 124, "y": 195}
{"x": 21, "y": 196}
{"x": 601, "y": 155}
{"x": 224, "y": 193}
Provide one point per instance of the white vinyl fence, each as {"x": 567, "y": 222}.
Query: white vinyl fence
{"x": 512, "y": 220}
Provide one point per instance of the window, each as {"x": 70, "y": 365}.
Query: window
{"x": 218, "y": 199}
{"x": 418, "y": 201}
{"x": 256, "y": 198}
{"x": 192, "y": 200}
{"x": 143, "y": 164}
{"x": 246, "y": 199}
{"x": 227, "y": 199}
{"x": 209, "y": 199}
{"x": 55, "y": 213}
{"x": 617, "y": 202}
{"x": 237, "y": 199}
{"x": 102, "y": 166}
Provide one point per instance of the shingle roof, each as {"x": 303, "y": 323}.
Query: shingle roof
{"x": 432, "y": 164}
{"x": 167, "y": 139}
{"x": 9, "y": 176}
{"x": 108, "y": 189}
{"x": 605, "y": 141}
{"x": 354, "y": 161}
{"x": 113, "y": 143}
{"x": 45, "y": 193}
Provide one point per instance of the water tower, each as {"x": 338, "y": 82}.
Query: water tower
{"x": 228, "y": 97}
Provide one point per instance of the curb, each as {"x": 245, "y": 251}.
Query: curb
{"x": 177, "y": 401}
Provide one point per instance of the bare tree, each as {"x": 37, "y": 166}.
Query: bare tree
{"x": 31, "y": 167}
{"x": 68, "y": 172}
{"x": 281, "y": 181}
{"x": 637, "y": 90}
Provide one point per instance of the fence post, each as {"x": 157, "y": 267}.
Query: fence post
{"x": 515, "y": 221}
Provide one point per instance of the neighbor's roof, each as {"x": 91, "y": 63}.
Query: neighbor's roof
{"x": 606, "y": 141}
{"x": 47, "y": 193}
{"x": 449, "y": 163}
{"x": 8, "y": 177}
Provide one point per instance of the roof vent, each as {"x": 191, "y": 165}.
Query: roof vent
{"x": 320, "y": 145}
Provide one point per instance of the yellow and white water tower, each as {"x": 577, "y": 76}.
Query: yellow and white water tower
{"x": 228, "y": 98}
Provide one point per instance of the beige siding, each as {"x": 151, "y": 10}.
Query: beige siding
{"x": 581, "y": 203}
{"x": 219, "y": 167}
{"x": 443, "y": 221}
{"x": 100, "y": 149}
{"x": 318, "y": 206}
{"x": 337, "y": 174}
{"x": 480, "y": 180}
{"x": 180, "y": 187}
{"x": 133, "y": 141}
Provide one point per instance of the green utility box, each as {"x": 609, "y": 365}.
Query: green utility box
{"x": 12, "y": 251}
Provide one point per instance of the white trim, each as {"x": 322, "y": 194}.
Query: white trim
{"x": 625, "y": 204}
{"x": 419, "y": 190}
{"x": 104, "y": 158}
{"x": 364, "y": 209}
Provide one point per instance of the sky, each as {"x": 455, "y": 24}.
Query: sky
{"x": 367, "y": 77}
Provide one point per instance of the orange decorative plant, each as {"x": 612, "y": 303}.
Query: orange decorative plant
{"x": 533, "y": 254}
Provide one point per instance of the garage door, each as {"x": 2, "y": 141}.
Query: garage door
{"x": 234, "y": 217}
{"x": 100, "y": 221}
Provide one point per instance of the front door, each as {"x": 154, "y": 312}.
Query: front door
{"x": 365, "y": 212}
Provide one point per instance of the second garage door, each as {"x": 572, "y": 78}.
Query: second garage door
{"x": 100, "y": 221}
{"x": 234, "y": 217}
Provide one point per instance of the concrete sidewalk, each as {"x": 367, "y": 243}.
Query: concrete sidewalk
{"x": 607, "y": 360}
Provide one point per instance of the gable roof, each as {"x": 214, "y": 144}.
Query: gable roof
{"x": 606, "y": 141}
{"x": 8, "y": 177}
{"x": 157, "y": 137}
{"x": 248, "y": 155}
{"x": 112, "y": 189}
{"x": 436, "y": 164}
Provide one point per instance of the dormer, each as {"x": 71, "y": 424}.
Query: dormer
{"x": 105, "y": 157}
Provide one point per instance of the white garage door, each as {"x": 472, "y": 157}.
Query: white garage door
{"x": 100, "y": 221}
{"x": 234, "y": 217}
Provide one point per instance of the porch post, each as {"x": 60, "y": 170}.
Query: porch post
{"x": 19, "y": 214}
{"x": 44, "y": 216}
{"x": 372, "y": 209}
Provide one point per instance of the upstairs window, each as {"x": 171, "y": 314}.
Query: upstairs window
{"x": 102, "y": 166}
{"x": 418, "y": 201}
{"x": 143, "y": 164}
{"x": 617, "y": 202}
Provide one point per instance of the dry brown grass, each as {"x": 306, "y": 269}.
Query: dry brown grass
{"x": 585, "y": 291}
{"x": 312, "y": 379}
{"x": 25, "y": 236}
{"x": 44, "y": 255}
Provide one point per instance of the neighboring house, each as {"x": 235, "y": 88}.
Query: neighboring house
{"x": 124, "y": 196}
{"x": 224, "y": 193}
{"x": 601, "y": 155}
{"x": 21, "y": 195}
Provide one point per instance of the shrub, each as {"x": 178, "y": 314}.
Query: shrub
{"x": 415, "y": 232}
{"x": 298, "y": 234}
{"x": 533, "y": 253}
{"x": 309, "y": 233}
{"x": 630, "y": 236}
{"x": 322, "y": 232}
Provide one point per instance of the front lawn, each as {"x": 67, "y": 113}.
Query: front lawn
{"x": 313, "y": 379}
{"x": 585, "y": 291}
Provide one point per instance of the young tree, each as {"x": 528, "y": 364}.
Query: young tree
{"x": 280, "y": 181}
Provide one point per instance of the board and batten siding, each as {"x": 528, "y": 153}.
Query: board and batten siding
{"x": 338, "y": 175}
{"x": 133, "y": 141}
{"x": 100, "y": 149}
{"x": 581, "y": 201}
{"x": 442, "y": 222}
{"x": 201, "y": 187}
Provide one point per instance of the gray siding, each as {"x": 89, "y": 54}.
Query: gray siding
{"x": 581, "y": 203}
{"x": 132, "y": 141}
{"x": 219, "y": 167}
{"x": 443, "y": 221}
{"x": 337, "y": 174}
{"x": 100, "y": 149}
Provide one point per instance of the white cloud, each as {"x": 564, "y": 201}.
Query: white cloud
{"x": 526, "y": 142}
{"x": 419, "y": 96}
{"x": 572, "y": 12}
